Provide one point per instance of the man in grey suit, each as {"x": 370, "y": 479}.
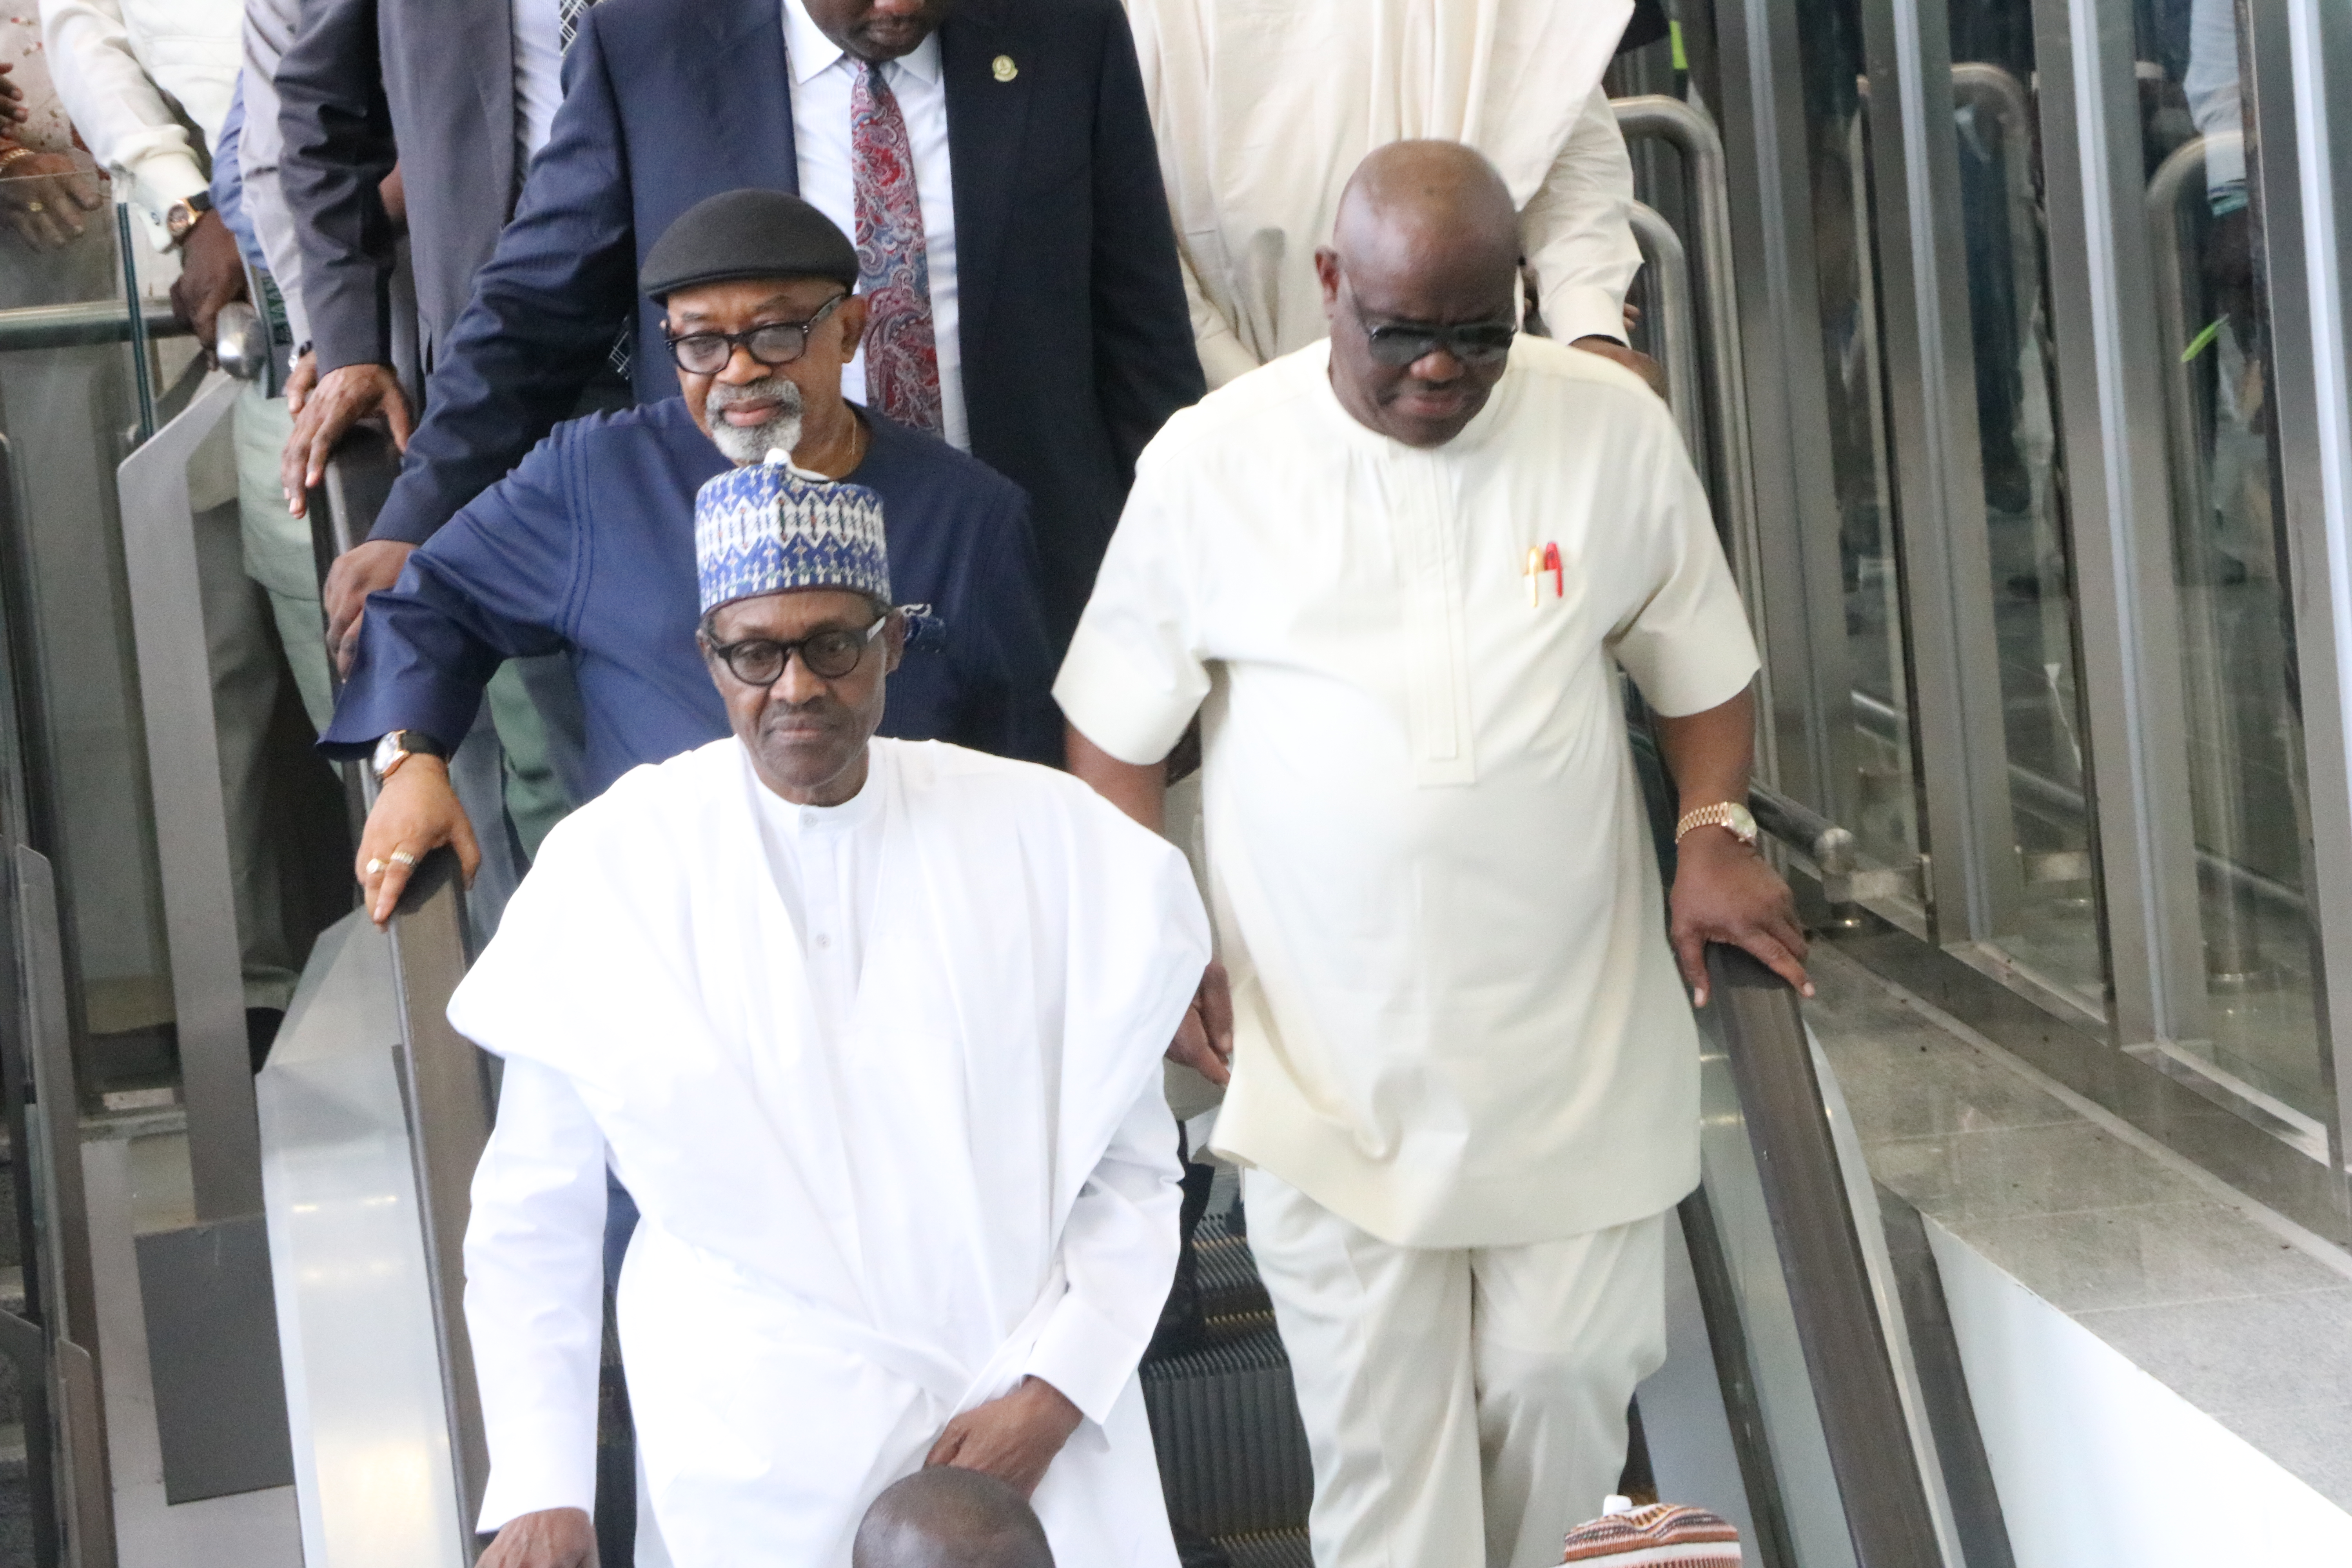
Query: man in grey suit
{"x": 360, "y": 76}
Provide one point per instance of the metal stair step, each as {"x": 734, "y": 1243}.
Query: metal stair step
{"x": 1233, "y": 1453}
{"x": 1273, "y": 1548}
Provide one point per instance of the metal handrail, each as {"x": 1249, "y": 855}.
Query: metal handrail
{"x": 1691, "y": 134}
{"x": 96, "y": 321}
{"x": 444, "y": 1078}
{"x": 1672, "y": 328}
{"x": 1848, "y": 1357}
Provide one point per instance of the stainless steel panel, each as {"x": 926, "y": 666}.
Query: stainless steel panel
{"x": 54, "y": 1163}
{"x": 2118, "y": 506}
{"x": 191, "y": 842}
{"x": 1931, "y": 392}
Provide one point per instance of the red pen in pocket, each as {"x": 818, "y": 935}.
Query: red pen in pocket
{"x": 1559, "y": 576}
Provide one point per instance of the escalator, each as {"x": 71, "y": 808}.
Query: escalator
{"x": 1812, "y": 1394}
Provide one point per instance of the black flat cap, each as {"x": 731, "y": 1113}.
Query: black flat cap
{"x": 747, "y": 233}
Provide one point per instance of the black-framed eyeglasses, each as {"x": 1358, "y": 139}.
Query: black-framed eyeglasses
{"x": 827, "y": 654}
{"x": 773, "y": 343}
{"x": 1397, "y": 344}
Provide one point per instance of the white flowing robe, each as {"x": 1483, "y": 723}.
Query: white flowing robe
{"x": 846, "y": 1240}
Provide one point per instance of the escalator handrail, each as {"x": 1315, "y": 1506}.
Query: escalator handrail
{"x": 1847, "y": 1357}
{"x": 445, "y": 1081}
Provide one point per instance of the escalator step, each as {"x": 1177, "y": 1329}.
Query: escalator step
{"x": 1275, "y": 1548}
{"x": 1233, "y": 1455}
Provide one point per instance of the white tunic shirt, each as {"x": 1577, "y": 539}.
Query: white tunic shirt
{"x": 823, "y": 75}
{"x": 827, "y": 862}
{"x": 1263, "y": 112}
{"x": 1458, "y": 1021}
{"x": 883, "y": 1179}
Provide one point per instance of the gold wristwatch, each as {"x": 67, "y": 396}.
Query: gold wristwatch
{"x": 1728, "y": 814}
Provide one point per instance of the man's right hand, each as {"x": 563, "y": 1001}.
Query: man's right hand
{"x": 415, "y": 813}
{"x": 1204, "y": 1040}
{"x": 326, "y": 414}
{"x": 358, "y": 571}
{"x": 551, "y": 1538}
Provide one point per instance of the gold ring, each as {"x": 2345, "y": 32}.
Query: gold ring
{"x": 37, "y": 207}
{"x": 374, "y": 866}
{"x": 403, "y": 857}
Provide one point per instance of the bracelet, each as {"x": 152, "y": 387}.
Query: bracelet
{"x": 15, "y": 155}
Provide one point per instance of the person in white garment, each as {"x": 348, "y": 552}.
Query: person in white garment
{"x": 1396, "y": 575}
{"x": 872, "y": 1031}
{"x": 1255, "y": 147}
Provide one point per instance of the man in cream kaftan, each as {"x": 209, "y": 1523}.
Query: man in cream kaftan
{"x": 883, "y": 1074}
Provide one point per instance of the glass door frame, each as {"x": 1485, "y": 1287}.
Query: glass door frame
{"x": 2108, "y": 376}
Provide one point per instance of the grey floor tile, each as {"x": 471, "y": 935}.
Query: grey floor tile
{"x": 1963, "y": 1177}
{"x": 2314, "y": 1443}
{"x": 1900, "y": 1090}
{"x": 2256, "y": 1353}
{"x": 2148, "y": 1256}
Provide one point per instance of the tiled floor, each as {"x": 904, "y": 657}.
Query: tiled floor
{"x": 2239, "y": 1312}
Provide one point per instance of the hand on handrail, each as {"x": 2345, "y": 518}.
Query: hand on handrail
{"x": 325, "y": 407}
{"x": 43, "y": 197}
{"x": 1725, "y": 891}
{"x": 415, "y": 813}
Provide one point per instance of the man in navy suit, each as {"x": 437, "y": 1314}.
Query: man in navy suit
{"x": 995, "y": 162}
{"x": 587, "y": 548}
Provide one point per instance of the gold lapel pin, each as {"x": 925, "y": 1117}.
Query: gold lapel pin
{"x": 1003, "y": 69}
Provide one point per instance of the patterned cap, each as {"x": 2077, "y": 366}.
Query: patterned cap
{"x": 1662, "y": 1535}
{"x": 771, "y": 528}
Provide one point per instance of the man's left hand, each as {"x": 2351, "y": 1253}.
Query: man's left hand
{"x": 212, "y": 274}
{"x": 1204, "y": 1040}
{"x": 1725, "y": 891}
{"x": 1640, "y": 364}
{"x": 1013, "y": 1439}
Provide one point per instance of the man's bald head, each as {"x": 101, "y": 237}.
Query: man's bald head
{"x": 947, "y": 1517}
{"x": 1427, "y": 240}
{"x": 1428, "y": 203}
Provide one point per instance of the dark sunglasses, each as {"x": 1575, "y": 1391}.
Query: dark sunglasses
{"x": 828, "y": 654}
{"x": 774, "y": 343}
{"x": 1398, "y": 344}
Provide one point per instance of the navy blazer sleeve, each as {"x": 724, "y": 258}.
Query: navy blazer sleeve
{"x": 499, "y": 583}
{"x": 545, "y": 310}
{"x": 1007, "y": 668}
{"x": 337, "y": 127}
{"x": 1145, "y": 365}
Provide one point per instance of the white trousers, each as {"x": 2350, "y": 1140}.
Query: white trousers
{"x": 1462, "y": 1405}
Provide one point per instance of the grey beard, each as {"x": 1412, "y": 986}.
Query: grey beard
{"x": 753, "y": 443}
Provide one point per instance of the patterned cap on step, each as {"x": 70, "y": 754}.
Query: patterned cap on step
{"x": 771, "y": 528}
{"x": 1662, "y": 1535}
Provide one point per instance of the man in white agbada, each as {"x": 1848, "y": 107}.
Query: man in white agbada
{"x": 872, "y": 1031}
{"x": 1396, "y": 576}
{"x": 1263, "y": 112}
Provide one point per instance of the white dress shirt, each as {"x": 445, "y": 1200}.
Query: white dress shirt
{"x": 827, "y": 861}
{"x": 823, "y": 75}
{"x": 127, "y": 71}
{"x": 1456, "y": 1019}
{"x": 538, "y": 75}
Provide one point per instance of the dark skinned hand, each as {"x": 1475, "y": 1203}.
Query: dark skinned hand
{"x": 551, "y": 1538}
{"x": 1725, "y": 891}
{"x": 328, "y": 407}
{"x": 1204, "y": 1040}
{"x": 43, "y": 196}
{"x": 212, "y": 274}
{"x": 1013, "y": 1438}
{"x": 356, "y": 574}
